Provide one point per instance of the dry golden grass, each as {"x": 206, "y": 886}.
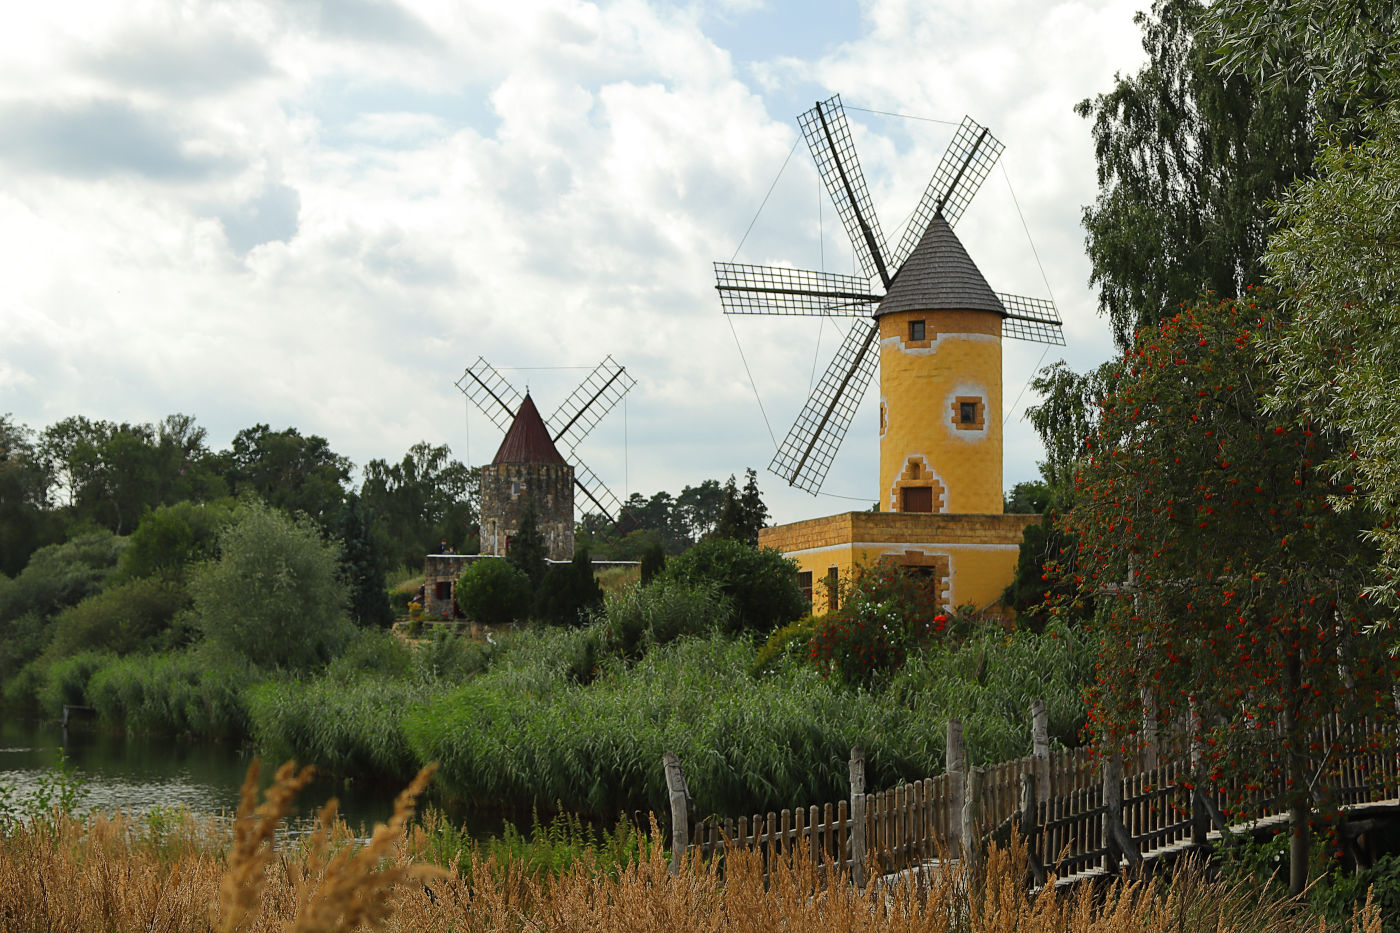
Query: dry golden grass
{"x": 107, "y": 874}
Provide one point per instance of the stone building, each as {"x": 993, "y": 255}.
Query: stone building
{"x": 527, "y": 469}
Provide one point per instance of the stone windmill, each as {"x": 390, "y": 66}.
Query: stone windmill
{"x": 529, "y": 467}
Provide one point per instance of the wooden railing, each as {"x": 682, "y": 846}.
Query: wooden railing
{"x": 1075, "y": 812}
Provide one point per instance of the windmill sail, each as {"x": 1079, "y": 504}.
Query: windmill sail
{"x": 595, "y": 396}
{"x": 745, "y": 289}
{"x": 491, "y": 393}
{"x": 811, "y": 444}
{"x": 828, "y": 136}
{"x": 1033, "y": 319}
{"x": 964, "y": 166}
{"x": 599, "y": 494}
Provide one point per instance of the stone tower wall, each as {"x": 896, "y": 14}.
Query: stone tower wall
{"x": 506, "y": 487}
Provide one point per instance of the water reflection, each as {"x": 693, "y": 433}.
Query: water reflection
{"x": 137, "y": 774}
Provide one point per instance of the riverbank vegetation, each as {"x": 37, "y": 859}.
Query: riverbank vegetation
{"x": 60, "y": 873}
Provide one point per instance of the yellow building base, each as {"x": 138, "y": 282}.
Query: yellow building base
{"x": 972, "y": 558}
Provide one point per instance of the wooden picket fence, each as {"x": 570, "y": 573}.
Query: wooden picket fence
{"x": 1076, "y": 813}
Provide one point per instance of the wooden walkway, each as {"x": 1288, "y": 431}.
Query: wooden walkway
{"x": 1080, "y": 816}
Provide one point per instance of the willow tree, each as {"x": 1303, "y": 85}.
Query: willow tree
{"x": 1189, "y": 158}
{"x": 1227, "y": 587}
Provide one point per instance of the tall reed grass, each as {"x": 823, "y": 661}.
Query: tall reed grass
{"x": 98, "y": 874}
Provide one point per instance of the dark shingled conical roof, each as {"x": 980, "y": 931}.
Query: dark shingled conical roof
{"x": 528, "y": 440}
{"x": 940, "y": 276}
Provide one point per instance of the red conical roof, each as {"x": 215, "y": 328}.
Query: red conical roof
{"x": 528, "y": 440}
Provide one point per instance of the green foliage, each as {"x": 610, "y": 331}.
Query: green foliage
{"x": 193, "y": 692}
{"x": 788, "y": 646}
{"x": 743, "y": 513}
{"x": 362, "y": 563}
{"x": 568, "y": 591}
{"x": 57, "y": 576}
{"x": 1337, "y": 255}
{"x": 1188, "y": 162}
{"x": 65, "y": 681}
{"x": 449, "y": 658}
{"x": 139, "y": 615}
{"x": 653, "y": 562}
{"x": 885, "y": 613}
{"x": 422, "y": 502}
{"x": 274, "y": 595}
{"x": 1341, "y": 892}
{"x": 760, "y": 583}
{"x": 988, "y": 682}
{"x": 528, "y": 551}
{"x": 1027, "y": 498}
{"x": 347, "y": 728}
{"x": 493, "y": 591}
{"x": 550, "y": 849}
{"x": 55, "y": 797}
{"x": 288, "y": 471}
{"x": 669, "y": 523}
{"x": 171, "y": 538}
{"x": 25, "y": 480}
{"x": 639, "y": 618}
{"x": 372, "y": 652}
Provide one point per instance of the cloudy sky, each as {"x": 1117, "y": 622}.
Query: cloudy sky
{"x": 316, "y": 213}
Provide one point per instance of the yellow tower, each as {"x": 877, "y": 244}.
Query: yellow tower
{"x": 940, "y": 383}
{"x": 930, "y": 322}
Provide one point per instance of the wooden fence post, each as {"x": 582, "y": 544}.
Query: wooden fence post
{"x": 680, "y": 809}
{"x": 1030, "y": 831}
{"x": 1200, "y": 817}
{"x": 1151, "y": 747}
{"x": 953, "y": 767}
{"x": 972, "y": 799}
{"x": 1112, "y": 809}
{"x": 1040, "y": 749}
{"x": 858, "y": 817}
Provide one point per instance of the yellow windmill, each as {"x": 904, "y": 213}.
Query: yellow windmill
{"x": 937, "y": 326}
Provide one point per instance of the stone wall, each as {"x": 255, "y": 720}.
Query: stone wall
{"x": 506, "y": 487}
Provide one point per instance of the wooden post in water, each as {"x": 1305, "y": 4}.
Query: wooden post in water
{"x": 972, "y": 799}
{"x": 953, "y": 766}
{"x": 858, "y": 817}
{"x": 680, "y": 808}
{"x": 1040, "y": 749}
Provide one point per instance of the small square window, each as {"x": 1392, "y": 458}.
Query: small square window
{"x": 916, "y": 330}
{"x": 967, "y": 412}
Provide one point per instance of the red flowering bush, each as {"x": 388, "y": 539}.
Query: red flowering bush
{"x": 1225, "y": 563}
{"x": 886, "y": 612}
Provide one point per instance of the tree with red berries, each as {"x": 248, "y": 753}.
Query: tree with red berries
{"x": 1227, "y": 587}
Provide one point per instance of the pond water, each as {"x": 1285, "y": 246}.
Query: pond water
{"x": 137, "y": 774}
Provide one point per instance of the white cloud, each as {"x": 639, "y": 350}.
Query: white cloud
{"x": 315, "y": 214}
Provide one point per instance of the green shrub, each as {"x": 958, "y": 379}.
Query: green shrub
{"x": 886, "y": 612}
{"x": 760, "y": 582}
{"x": 568, "y": 591}
{"x": 788, "y": 646}
{"x": 139, "y": 615}
{"x": 372, "y": 651}
{"x": 199, "y": 692}
{"x": 493, "y": 592}
{"x": 449, "y": 657}
{"x": 65, "y": 681}
{"x": 346, "y": 728}
{"x": 642, "y": 617}
{"x": 274, "y": 595}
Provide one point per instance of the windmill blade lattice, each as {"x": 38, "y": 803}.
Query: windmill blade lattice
{"x": 490, "y": 392}
{"x": 746, "y": 289}
{"x": 598, "y": 493}
{"x": 965, "y": 165}
{"x": 828, "y": 137}
{"x": 811, "y": 444}
{"x": 595, "y": 396}
{"x": 1033, "y": 319}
